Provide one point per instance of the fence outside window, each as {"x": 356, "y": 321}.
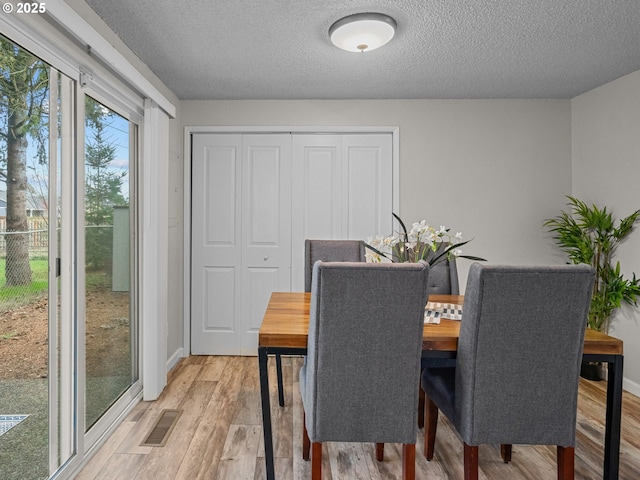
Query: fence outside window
{"x": 38, "y": 235}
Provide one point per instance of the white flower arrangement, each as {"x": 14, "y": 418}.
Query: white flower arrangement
{"x": 422, "y": 242}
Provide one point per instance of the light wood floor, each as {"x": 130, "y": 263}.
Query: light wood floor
{"x": 219, "y": 436}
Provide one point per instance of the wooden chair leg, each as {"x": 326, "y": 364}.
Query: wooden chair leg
{"x": 566, "y": 457}
{"x": 505, "y": 452}
{"x": 470, "y": 462}
{"x": 306, "y": 444}
{"x": 431, "y": 424}
{"x": 421, "y": 396}
{"x": 408, "y": 461}
{"x": 316, "y": 461}
{"x": 379, "y": 451}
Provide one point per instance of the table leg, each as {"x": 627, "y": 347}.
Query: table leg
{"x": 613, "y": 419}
{"x": 279, "y": 377}
{"x": 266, "y": 413}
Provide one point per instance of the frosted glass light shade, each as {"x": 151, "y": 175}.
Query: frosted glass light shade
{"x": 362, "y": 32}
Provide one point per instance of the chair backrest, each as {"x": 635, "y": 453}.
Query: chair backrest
{"x": 330, "y": 251}
{"x": 443, "y": 277}
{"x": 519, "y": 353}
{"x": 364, "y": 351}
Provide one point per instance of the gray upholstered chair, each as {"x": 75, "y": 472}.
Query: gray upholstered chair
{"x": 327, "y": 251}
{"x": 443, "y": 280}
{"x": 330, "y": 251}
{"x": 518, "y": 362}
{"x": 359, "y": 381}
{"x": 443, "y": 277}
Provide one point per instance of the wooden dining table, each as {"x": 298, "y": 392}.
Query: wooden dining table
{"x": 285, "y": 327}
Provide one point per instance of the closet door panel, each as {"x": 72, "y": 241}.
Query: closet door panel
{"x": 266, "y": 228}
{"x": 317, "y": 195}
{"x": 215, "y": 244}
{"x": 367, "y": 183}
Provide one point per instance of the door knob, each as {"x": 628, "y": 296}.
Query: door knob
{"x": 266, "y": 258}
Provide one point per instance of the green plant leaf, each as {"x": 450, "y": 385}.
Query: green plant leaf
{"x": 375, "y": 250}
{"x": 404, "y": 228}
{"x": 587, "y": 234}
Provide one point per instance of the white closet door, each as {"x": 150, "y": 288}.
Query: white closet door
{"x": 255, "y": 198}
{"x": 266, "y": 232}
{"x": 317, "y": 194}
{"x": 367, "y": 185}
{"x": 342, "y": 189}
{"x": 241, "y": 237}
{"x": 216, "y": 244}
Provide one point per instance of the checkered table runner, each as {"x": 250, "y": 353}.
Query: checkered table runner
{"x": 433, "y": 312}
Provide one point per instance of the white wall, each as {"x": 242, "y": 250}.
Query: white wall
{"x": 606, "y": 171}
{"x": 493, "y": 169}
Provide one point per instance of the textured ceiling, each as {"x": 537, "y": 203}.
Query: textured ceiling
{"x": 279, "y": 49}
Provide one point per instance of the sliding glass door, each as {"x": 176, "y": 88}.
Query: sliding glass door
{"x": 110, "y": 321}
{"x": 29, "y": 219}
{"x": 68, "y": 265}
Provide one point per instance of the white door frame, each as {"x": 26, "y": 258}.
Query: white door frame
{"x": 190, "y": 130}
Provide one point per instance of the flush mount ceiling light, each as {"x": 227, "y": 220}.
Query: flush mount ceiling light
{"x": 362, "y": 32}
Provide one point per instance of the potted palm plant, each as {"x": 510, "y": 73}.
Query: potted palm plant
{"x": 588, "y": 234}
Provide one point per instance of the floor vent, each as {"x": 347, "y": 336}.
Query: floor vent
{"x": 162, "y": 429}
{"x": 7, "y": 422}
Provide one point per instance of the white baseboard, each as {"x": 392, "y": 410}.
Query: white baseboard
{"x": 174, "y": 359}
{"x": 631, "y": 387}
